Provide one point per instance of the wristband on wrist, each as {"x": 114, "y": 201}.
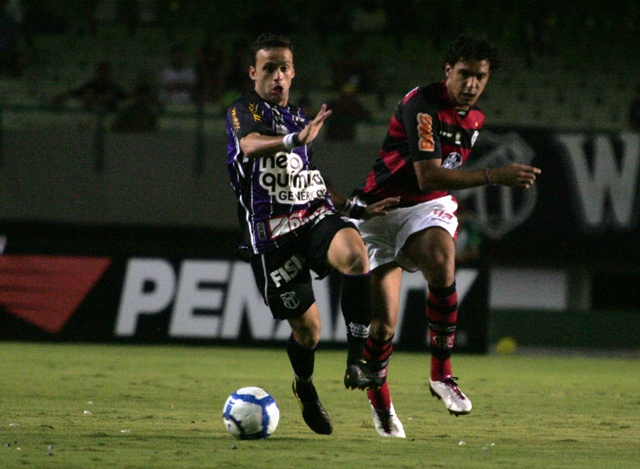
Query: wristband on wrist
{"x": 290, "y": 141}
{"x": 487, "y": 175}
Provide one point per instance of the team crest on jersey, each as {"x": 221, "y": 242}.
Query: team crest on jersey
{"x": 290, "y": 300}
{"x": 452, "y": 161}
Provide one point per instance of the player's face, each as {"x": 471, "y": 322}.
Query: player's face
{"x": 466, "y": 81}
{"x": 272, "y": 75}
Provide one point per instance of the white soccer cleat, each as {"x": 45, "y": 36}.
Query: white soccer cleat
{"x": 387, "y": 423}
{"x": 448, "y": 392}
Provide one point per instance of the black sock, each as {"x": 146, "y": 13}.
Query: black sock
{"x": 356, "y": 307}
{"x": 302, "y": 359}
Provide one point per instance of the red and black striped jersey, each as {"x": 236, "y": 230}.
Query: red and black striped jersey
{"x": 424, "y": 125}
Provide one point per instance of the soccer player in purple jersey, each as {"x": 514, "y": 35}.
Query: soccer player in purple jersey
{"x": 429, "y": 138}
{"x": 292, "y": 223}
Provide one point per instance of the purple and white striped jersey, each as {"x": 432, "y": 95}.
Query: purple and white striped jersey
{"x": 279, "y": 195}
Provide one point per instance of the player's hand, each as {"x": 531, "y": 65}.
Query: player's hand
{"x": 310, "y": 132}
{"x": 515, "y": 175}
{"x": 379, "y": 209}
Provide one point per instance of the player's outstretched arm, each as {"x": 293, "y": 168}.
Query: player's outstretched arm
{"x": 256, "y": 145}
{"x": 513, "y": 175}
{"x": 432, "y": 176}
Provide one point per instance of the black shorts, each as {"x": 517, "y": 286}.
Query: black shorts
{"x": 284, "y": 275}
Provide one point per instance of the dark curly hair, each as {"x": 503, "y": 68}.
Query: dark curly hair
{"x": 267, "y": 41}
{"x": 476, "y": 48}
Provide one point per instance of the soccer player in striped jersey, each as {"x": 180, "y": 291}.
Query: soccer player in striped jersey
{"x": 430, "y": 136}
{"x": 292, "y": 224}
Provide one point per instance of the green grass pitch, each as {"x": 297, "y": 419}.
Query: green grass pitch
{"x": 89, "y": 406}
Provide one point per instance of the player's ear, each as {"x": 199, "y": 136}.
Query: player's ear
{"x": 252, "y": 73}
{"x": 448, "y": 69}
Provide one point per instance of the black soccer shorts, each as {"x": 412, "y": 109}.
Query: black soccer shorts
{"x": 283, "y": 276}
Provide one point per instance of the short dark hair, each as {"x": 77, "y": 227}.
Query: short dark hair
{"x": 476, "y": 48}
{"x": 268, "y": 41}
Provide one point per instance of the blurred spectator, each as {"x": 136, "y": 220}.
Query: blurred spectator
{"x": 136, "y": 14}
{"x": 12, "y": 59}
{"x": 634, "y": 112}
{"x": 369, "y": 19}
{"x": 141, "y": 112}
{"x": 14, "y": 10}
{"x": 348, "y": 68}
{"x": 101, "y": 92}
{"x": 148, "y": 12}
{"x": 403, "y": 20}
{"x": 129, "y": 13}
{"x": 178, "y": 79}
{"x": 537, "y": 25}
{"x": 210, "y": 68}
{"x": 236, "y": 77}
{"x": 442, "y": 28}
{"x": 105, "y": 13}
{"x": 348, "y": 112}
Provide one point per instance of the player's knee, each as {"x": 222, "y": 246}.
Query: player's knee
{"x": 355, "y": 262}
{"x": 442, "y": 259}
{"x": 381, "y": 330}
{"x": 308, "y": 336}
{"x": 438, "y": 267}
{"x": 308, "y": 340}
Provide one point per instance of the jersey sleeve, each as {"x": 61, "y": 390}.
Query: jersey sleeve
{"x": 246, "y": 117}
{"x": 421, "y": 121}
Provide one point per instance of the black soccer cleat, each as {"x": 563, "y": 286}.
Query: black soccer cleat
{"x": 359, "y": 375}
{"x": 314, "y": 415}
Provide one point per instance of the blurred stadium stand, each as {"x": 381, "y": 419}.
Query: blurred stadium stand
{"x": 585, "y": 81}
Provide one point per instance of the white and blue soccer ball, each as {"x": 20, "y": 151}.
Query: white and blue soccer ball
{"x": 251, "y": 413}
